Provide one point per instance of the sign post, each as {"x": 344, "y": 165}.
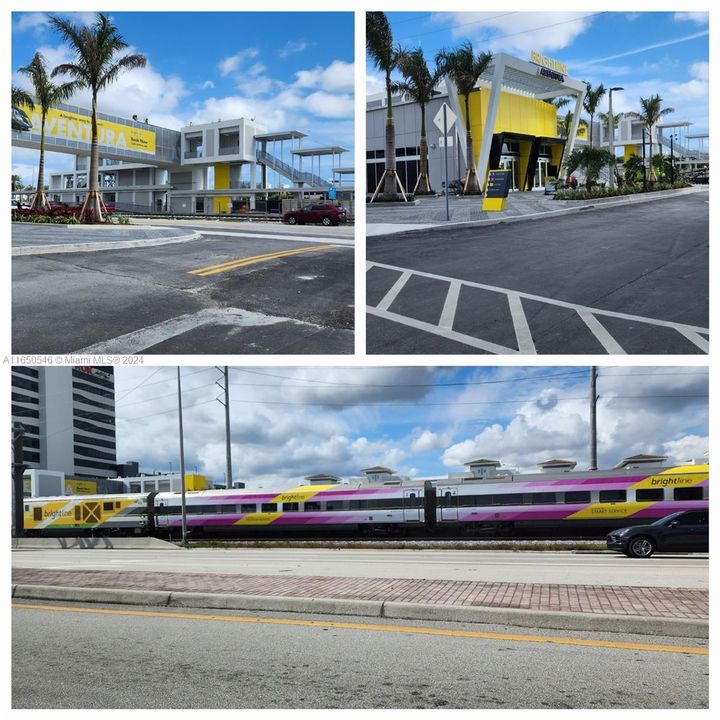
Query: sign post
{"x": 498, "y": 186}
{"x": 444, "y": 119}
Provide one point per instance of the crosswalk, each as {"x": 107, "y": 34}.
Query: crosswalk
{"x": 596, "y": 322}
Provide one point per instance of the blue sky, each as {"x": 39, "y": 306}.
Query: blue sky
{"x": 646, "y": 53}
{"x": 295, "y": 70}
{"x": 423, "y": 421}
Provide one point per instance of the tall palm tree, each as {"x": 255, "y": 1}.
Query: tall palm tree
{"x": 47, "y": 95}
{"x": 379, "y": 44}
{"x": 464, "y": 68}
{"x": 19, "y": 120}
{"x": 651, "y": 112}
{"x": 604, "y": 119}
{"x": 420, "y": 85}
{"x": 18, "y": 96}
{"x": 591, "y": 102}
{"x": 96, "y": 66}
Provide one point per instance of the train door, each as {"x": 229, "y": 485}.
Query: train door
{"x": 448, "y": 504}
{"x": 411, "y": 506}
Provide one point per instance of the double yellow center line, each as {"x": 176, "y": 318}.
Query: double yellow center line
{"x": 244, "y": 262}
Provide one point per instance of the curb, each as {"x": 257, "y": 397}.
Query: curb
{"x": 598, "y": 204}
{"x": 551, "y": 620}
{"x": 97, "y": 246}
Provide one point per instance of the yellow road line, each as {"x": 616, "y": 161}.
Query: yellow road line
{"x": 243, "y": 262}
{"x": 680, "y": 649}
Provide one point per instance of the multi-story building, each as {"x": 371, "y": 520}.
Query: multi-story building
{"x": 68, "y": 416}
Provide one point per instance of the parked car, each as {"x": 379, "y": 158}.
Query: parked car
{"x": 317, "y": 213}
{"x": 685, "y": 531}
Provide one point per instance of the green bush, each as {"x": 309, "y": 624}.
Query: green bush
{"x": 628, "y": 189}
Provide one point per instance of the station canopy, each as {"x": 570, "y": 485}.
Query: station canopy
{"x": 281, "y": 135}
{"x": 331, "y": 150}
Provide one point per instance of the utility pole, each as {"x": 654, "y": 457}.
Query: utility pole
{"x": 593, "y": 418}
{"x": 18, "y": 470}
{"x": 228, "y": 446}
{"x": 182, "y": 464}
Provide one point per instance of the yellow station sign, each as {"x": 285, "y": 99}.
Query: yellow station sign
{"x": 538, "y": 59}
{"x": 72, "y": 126}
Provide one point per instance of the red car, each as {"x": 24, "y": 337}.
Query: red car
{"x": 320, "y": 213}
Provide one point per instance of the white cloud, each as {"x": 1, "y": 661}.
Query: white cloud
{"x": 701, "y": 18}
{"x": 428, "y": 440}
{"x": 323, "y": 104}
{"x": 208, "y": 85}
{"x": 688, "y": 447}
{"x": 516, "y": 32}
{"x": 230, "y": 64}
{"x": 339, "y": 76}
{"x": 374, "y": 82}
{"x": 292, "y": 47}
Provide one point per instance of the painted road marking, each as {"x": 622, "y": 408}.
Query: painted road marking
{"x": 139, "y": 340}
{"x": 244, "y": 262}
{"x": 582, "y": 642}
{"x": 589, "y": 315}
{"x": 280, "y": 236}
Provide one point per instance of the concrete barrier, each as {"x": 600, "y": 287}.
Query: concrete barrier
{"x": 94, "y": 595}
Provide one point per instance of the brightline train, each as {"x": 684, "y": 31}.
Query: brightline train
{"x": 574, "y": 504}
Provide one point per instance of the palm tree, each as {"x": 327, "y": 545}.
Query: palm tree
{"x": 19, "y": 120}
{"x": 564, "y": 124}
{"x": 591, "y": 102}
{"x": 18, "y": 96}
{"x": 379, "y": 43}
{"x": 96, "y": 65}
{"x": 651, "y": 113}
{"x": 420, "y": 85}
{"x": 558, "y": 102}
{"x": 47, "y": 94}
{"x": 464, "y": 68}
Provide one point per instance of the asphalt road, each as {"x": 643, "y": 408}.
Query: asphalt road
{"x": 74, "y": 656}
{"x": 230, "y": 291}
{"x": 624, "y": 279}
{"x": 562, "y": 567}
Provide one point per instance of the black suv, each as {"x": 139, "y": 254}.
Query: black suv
{"x": 685, "y": 531}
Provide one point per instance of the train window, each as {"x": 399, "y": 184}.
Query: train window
{"x": 545, "y": 498}
{"x": 107, "y": 507}
{"x": 508, "y": 499}
{"x": 649, "y": 494}
{"x": 577, "y": 496}
{"x": 334, "y": 505}
{"x": 291, "y": 507}
{"x": 228, "y": 508}
{"x": 248, "y": 508}
{"x": 447, "y": 499}
{"x": 607, "y": 496}
{"x": 311, "y": 506}
{"x": 358, "y": 504}
{"x": 688, "y": 493}
{"x": 412, "y": 500}
{"x": 268, "y": 507}
{"x": 117, "y": 505}
{"x": 37, "y": 513}
{"x": 385, "y": 504}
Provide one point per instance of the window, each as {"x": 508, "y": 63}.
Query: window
{"x": 107, "y": 507}
{"x": 334, "y": 505}
{"x": 227, "y": 508}
{"x": 358, "y": 504}
{"x": 688, "y": 493}
{"x": 311, "y": 506}
{"x": 37, "y": 513}
{"x": 545, "y": 498}
{"x": 608, "y": 496}
{"x": 509, "y": 499}
{"x": 291, "y": 507}
{"x": 577, "y": 496}
{"x": 649, "y": 494}
{"x": 268, "y": 507}
{"x": 247, "y": 507}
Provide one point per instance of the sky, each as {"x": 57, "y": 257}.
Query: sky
{"x": 646, "y": 53}
{"x": 294, "y": 70}
{"x": 288, "y": 423}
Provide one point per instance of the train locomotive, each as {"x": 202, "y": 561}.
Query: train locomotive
{"x": 569, "y": 504}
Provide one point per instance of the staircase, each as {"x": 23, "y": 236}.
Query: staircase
{"x": 682, "y": 150}
{"x": 290, "y": 172}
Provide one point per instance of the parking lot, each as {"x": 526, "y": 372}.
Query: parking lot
{"x": 624, "y": 279}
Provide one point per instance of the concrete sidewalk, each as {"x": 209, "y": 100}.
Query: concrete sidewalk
{"x": 426, "y": 212}
{"x": 651, "y": 611}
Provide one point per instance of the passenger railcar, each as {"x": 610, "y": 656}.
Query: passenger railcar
{"x": 572, "y": 504}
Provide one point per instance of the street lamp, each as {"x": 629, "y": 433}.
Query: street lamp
{"x": 611, "y": 135}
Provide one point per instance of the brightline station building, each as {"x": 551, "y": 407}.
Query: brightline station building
{"x": 223, "y": 167}
{"x": 509, "y": 98}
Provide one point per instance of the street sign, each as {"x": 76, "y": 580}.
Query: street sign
{"x": 496, "y": 192}
{"x": 438, "y": 119}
